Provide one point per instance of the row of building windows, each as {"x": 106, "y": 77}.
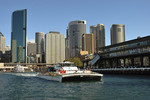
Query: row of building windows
{"x": 143, "y": 43}
{"x": 128, "y": 52}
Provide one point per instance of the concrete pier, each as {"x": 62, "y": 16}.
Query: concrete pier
{"x": 136, "y": 71}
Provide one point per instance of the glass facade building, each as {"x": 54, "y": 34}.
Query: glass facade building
{"x": 18, "y": 36}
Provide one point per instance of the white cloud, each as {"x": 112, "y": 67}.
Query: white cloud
{"x": 31, "y": 40}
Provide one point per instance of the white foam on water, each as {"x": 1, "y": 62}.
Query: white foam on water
{"x": 33, "y": 74}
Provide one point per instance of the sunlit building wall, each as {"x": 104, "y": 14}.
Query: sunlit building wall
{"x": 2, "y": 43}
{"x": 88, "y": 43}
{"x": 54, "y": 47}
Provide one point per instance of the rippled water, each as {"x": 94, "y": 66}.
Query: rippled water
{"x": 113, "y": 87}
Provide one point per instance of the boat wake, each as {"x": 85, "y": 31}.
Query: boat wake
{"x": 33, "y": 74}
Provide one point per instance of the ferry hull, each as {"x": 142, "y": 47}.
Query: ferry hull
{"x": 81, "y": 77}
{"x": 73, "y": 77}
{"x": 51, "y": 78}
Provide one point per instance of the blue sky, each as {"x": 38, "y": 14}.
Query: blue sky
{"x": 54, "y": 15}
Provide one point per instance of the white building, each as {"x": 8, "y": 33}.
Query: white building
{"x": 54, "y": 47}
{"x": 2, "y": 43}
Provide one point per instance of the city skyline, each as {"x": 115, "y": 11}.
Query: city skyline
{"x": 133, "y": 14}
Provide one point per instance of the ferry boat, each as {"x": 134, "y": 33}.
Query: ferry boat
{"x": 67, "y": 72}
{"x": 19, "y": 69}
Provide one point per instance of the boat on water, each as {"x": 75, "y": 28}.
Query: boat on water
{"x": 67, "y": 72}
{"x": 18, "y": 69}
{"x": 23, "y": 71}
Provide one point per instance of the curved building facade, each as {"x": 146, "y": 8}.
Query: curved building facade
{"x": 117, "y": 33}
{"x": 39, "y": 39}
{"x": 99, "y": 36}
{"x": 75, "y": 31}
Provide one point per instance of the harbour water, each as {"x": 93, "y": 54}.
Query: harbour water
{"x": 113, "y": 87}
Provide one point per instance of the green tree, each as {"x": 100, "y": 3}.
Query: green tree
{"x": 76, "y": 60}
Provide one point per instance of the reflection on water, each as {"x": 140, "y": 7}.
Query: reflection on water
{"x": 113, "y": 87}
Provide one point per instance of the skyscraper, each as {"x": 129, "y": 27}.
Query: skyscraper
{"x": 54, "y": 47}
{"x": 39, "y": 40}
{"x": 31, "y": 49}
{"x": 75, "y": 31}
{"x": 88, "y": 43}
{"x": 93, "y": 30}
{"x": 18, "y": 36}
{"x": 117, "y": 33}
{"x": 99, "y": 36}
{"x": 66, "y": 45}
{"x": 2, "y": 43}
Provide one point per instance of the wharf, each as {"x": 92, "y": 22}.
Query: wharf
{"x": 136, "y": 71}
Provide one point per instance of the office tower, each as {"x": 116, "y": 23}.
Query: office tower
{"x": 93, "y": 30}
{"x": 75, "y": 31}
{"x": 31, "y": 49}
{"x": 117, "y": 33}
{"x": 2, "y": 43}
{"x": 54, "y": 47}
{"x": 39, "y": 40}
{"x": 88, "y": 43}
{"x": 99, "y": 36}
{"x": 66, "y": 45}
{"x": 18, "y": 36}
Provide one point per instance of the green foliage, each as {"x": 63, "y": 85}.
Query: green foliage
{"x": 76, "y": 60}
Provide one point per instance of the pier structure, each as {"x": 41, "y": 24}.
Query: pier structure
{"x": 130, "y": 54}
{"x": 138, "y": 71}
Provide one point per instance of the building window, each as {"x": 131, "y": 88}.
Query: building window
{"x": 119, "y": 29}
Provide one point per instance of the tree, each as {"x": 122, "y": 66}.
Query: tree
{"x": 76, "y": 60}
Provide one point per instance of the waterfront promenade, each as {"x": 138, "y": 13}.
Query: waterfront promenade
{"x": 140, "y": 70}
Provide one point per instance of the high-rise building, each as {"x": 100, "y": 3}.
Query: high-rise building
{"x": 99, "y": 36}
{"x": 18, "y": 36}
{"x": 54, "y": 47}
{"x": 39, "y": 40}
{"x": 66, "y": 45}
{"x": 75, "y": 31}
{"x": 117, "y": 33}
{"x": 2, "y": 43}
{"x": 88, "y": 43}
{"x": 31, "y": 49}
{"x": 93, "y": 30}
